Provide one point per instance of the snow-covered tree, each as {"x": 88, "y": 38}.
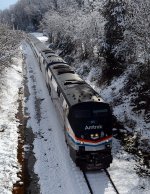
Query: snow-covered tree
{"x": 9, "y": 40}
{"x": 138, "y": 29}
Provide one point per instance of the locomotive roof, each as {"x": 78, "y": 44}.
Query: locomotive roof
{"x": 38, "y": 44}
{"x": 34, "y": 39}
{"x": 54, "y": 60}
{"x": 74, "y": 88}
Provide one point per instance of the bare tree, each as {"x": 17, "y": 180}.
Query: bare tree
{"x": 138, "y": 28}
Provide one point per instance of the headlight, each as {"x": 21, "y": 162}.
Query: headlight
{"x": 94, "y": 136}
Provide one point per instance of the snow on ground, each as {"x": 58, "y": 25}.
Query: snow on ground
{"x": 123, "y": 110}
{"x": 9, "y": 166}
{"x": 123, "y": 172}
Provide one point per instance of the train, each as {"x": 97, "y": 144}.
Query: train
{"x": 86, "y": 118}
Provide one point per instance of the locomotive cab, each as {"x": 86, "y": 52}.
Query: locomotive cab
{"x": 91, "y": 123}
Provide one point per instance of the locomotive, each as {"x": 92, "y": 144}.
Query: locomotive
{"x": 86, "y": 118}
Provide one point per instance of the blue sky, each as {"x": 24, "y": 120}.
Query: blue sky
{"x": 6, "y": 3}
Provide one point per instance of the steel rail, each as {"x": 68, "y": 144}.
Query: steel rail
{"x": 88, "y": 183}
{"x": 107, "y": 173}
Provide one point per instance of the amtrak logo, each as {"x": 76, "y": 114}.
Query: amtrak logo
{"x": 93, "y": 127}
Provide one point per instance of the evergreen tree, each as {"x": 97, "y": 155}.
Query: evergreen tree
{"x": 114, "y": 12}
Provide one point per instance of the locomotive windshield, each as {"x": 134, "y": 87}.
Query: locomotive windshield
{"x": 89, "y": 113}
{"x": 91, "y": 117}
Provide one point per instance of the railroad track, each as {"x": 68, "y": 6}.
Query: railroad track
{"x": 91, "y": 187}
